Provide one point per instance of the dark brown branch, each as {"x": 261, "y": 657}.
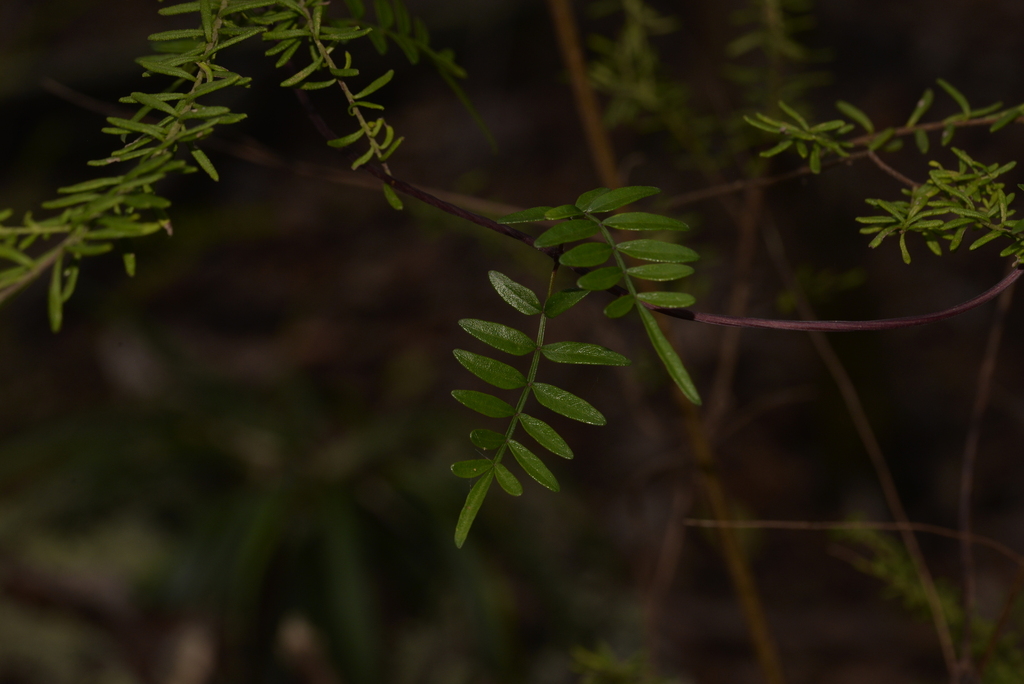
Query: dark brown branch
{"x": 891, "y": 171}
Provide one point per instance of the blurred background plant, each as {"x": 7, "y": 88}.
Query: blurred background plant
{"x": 235, "y": 465}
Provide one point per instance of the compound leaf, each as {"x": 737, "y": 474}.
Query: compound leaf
{"x": 567, "y": 404}
{"x": 533, "y": 466}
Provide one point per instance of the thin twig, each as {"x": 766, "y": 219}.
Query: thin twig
{"x": 855, "y": 408}
{"x": 982, "y": 393}
{"x": 873, "y": 156}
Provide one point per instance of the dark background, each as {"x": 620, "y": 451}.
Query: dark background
{"x": 238, "y": 460}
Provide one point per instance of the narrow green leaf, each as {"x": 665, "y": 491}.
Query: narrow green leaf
{"x": 781, "y": 147}
{"x": 519, "y": 297}
{"x": 656, "y": 250}
{"x": 947, "y": 135}
{"x": 984, "y": 240}
{"x": 70, "y": 200}
{"x": 639, "y": 220}
{"x": 499, "y": 336}
{"x": 175, "y": 35}
{"x": 560, "y": 302}
{"x": 1006, "y": 119}
{"x": 881, "y": 139}
{"x": 391, "y": 197}
{"x": 474, "y": 468}
{"x": 474, "y": 500}
{"x": 921, "y": 140}
{"x": 147, "y": 129}
{"x": 146, "y": 201}
{"x": 613, "y": 199}
{"x": 586, "y": 255}
{"x": 487, "y": 404}
{"x": 582, "y": 353}
{"x": 344, "y": 33}
{"x": 669, "y": 359}
{"x": 363, "y": 158}
{"x": 486, "y": 439}
{"x": 668, "y": 300}
{"x": 158, "y": 68}
{"x": 563, "y": 212}
{"x": 318, "y": 85}
{"x": 94, "y": 184}
{"x": 494, "y": 372}
{"x": 55, "y": 304}
{"x": 71, "y": 275}
{"x": 815, "y": 161}
{"x": 286, "y": 34}
{"x": 154, "y": 103}
{"x": 545, "y": 435}
{"x": 507, "y": 480}
{"x": 302, "y": 75}
{"x": 856, "y": 114}
{"x": 793, "y": 114}
{"x": 922, "y": 106}
{"x": 567, "y": 404}
{"x": 600, "y": 279}
{"x": 183, "y": 8}
{"x": 660, "y": 272}
{"x": 525, "y": 216}
{"x": 18, "y": 257}
{"x": 347, "y": 140}
{"x": 129, "y": 264}
{"x": 385, "y": 15}
{"x": 376, "y": 85}
{"x": 588, "y": 197}
{"x": 620, "y": 307}
{"x": 903, "y": 248}
{"x": 204, "y": 163}
{"x": 533, "y": 466}
{"x": 568, "y": 231}
{"x": 206, "y": 17}
{"x": 956, "y": 95}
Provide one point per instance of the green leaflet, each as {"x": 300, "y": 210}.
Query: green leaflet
{"x": 655, "y": 250}
{"x": 563, "y": 212}
{"x": 487, "y": 404}
{"x": 474, "y": 500}
{"x": 375, "y": 86}
{"x": 507, "y": 480}
{"x": 639, "y": 220}
{"x": 525, "y": 216}
{"x": 567, "y": 404}
{"x": 587, "y": 255}
{"x": 560, "y": 302}
{"x": 501, "y": 375}
{"x": 668, "y": 300}
{"x": 569, "y": 231}
{"x": 601, "y": 279}
{"x": 620, "y": 307}
{"x": 587, "y": 198}
{"x": 582, "y": 353}
{"x": 486, "y": 439}
{"x": 660, "y": 272}
{"x": 668, "y": 355}
{"x": 519, "y": 297}
{"x": 533, "y": 466}
{"x": 468, "y": 469}
{"x": 499, "y": 336}
{"x": 545, "y": 436}
{"x": 614, "y": 199}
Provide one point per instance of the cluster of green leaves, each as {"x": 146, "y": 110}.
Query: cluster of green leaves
{"x": 97, "y": 212}
{"x": 579, "y": 223}
{"x": 889, "y": 561}
{"x": 952, "y": 201}
{"x": 814, "y": 141}
{"x": 506, "y": 377}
